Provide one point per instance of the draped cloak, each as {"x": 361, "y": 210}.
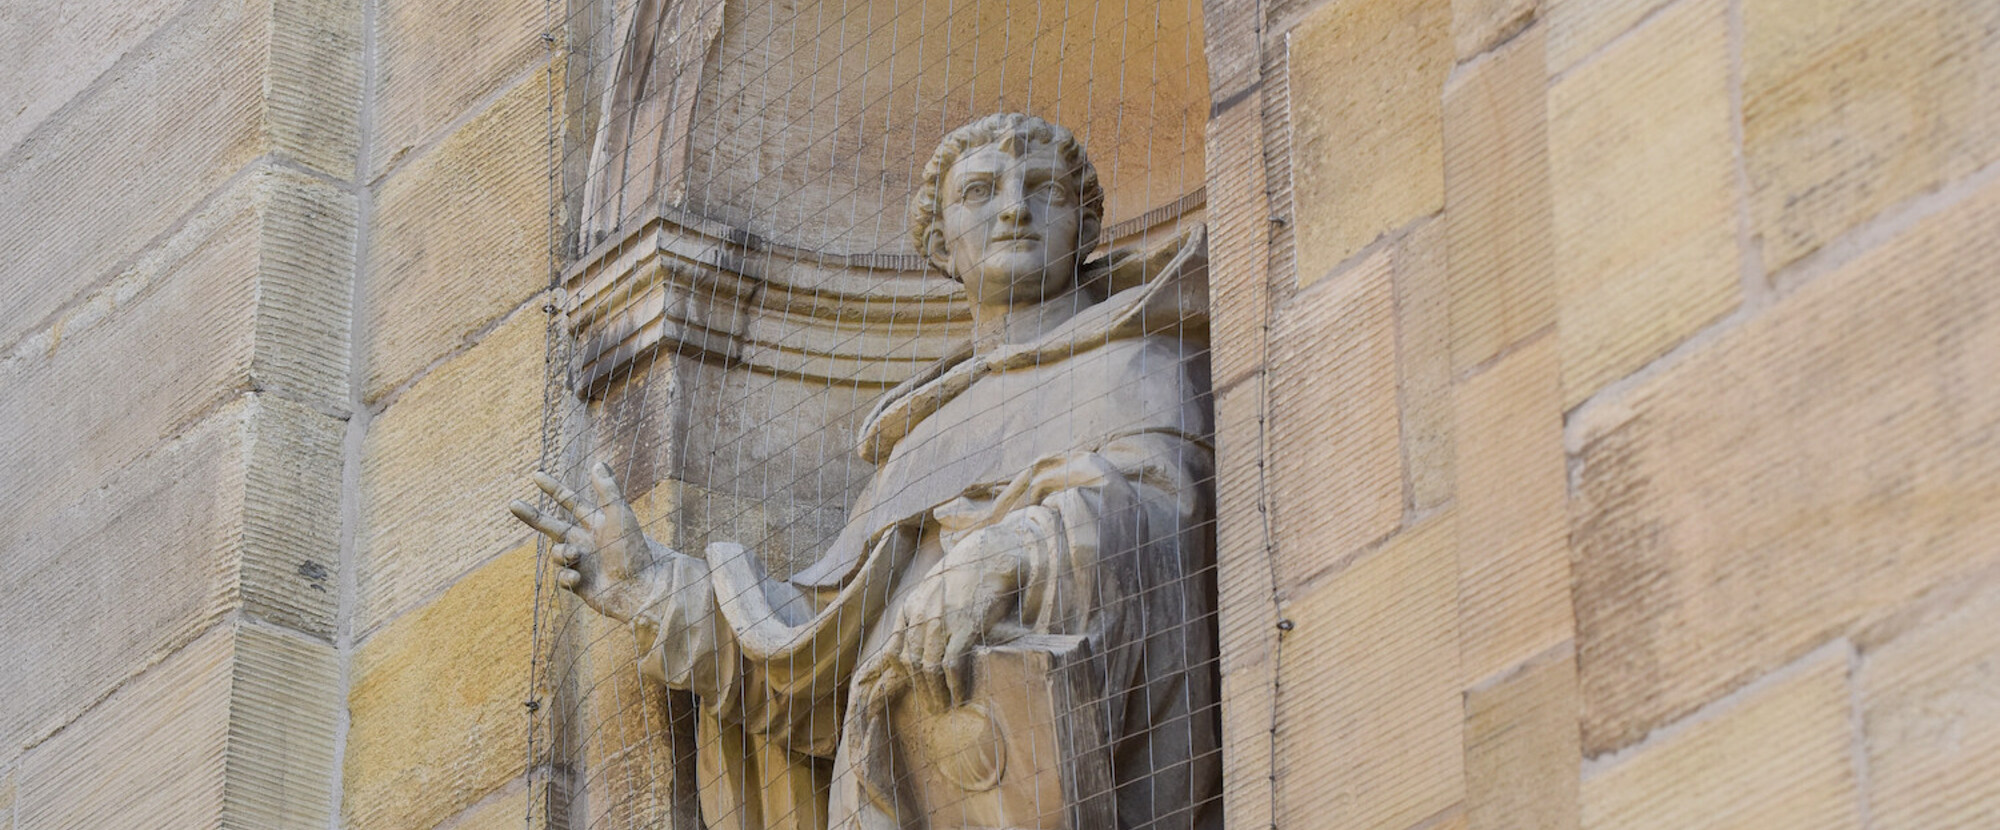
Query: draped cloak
{"x": 1087, "y": 450}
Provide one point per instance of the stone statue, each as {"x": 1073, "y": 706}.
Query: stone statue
{"x": 1016, "y": 626}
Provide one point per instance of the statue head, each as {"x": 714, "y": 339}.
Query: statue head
{"x": 1009, "y": 206}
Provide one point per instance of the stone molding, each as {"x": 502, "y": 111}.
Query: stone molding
{"x": 690, "y": 285}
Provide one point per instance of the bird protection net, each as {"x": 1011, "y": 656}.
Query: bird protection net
{"x": 747, "y": 345}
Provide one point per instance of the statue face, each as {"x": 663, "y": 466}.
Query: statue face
{"x": 1011, "y": 224}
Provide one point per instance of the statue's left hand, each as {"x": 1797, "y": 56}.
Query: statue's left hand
{"x": 951, "y": 610}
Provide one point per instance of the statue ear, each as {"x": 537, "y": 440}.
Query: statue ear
{"x": 936, "y": 251}
{"x": 1087, "y": 232}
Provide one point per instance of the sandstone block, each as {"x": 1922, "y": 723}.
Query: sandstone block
{"x": 439, "y": 466}
{"x": 1579, "y": 28}
{"x": 1778, "y": 758}
{"x": 504, "y": 810}
{"x": 436, "y": 701}
{"x": 1497, "y": 201}
{"x": 1644, "y": 196}
{"x": 1367, "y": 144}
{"x": 1810, "y": 470}
{"x": 241, "y": 511}
{"x": 1477, "y": 25}
{"x": 1513, "y": 526}
{"x": 1238, "y": 242}
{"x": 1852, "y": 106}
{"x": 234, "y": 730}
{"x": 128, "y": 159}
{"x": 56, "y": 55}
{"x": 441, "y": 61}
{"x": 1333, "y": 411}
{"x": 226, "y": 304}
{"x": 460, "y": 238}
{"x": 1521, "y": 750}
{"x": 1423, "y": 356}
{"x": 1370, "y": 730}
{"x": 149, "y": 756}
{"x": 1244, "y": 565}
{"x": 1931, "y": 709}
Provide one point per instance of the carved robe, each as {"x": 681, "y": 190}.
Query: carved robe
{"x": 1088, "y": 450}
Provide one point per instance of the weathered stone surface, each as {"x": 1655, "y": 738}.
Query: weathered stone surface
{"x": 1238, "y": 242}
{"x": 1423, "y": 355}
{"x": 1931, "y": 710}
{"x": 440, "y": 464}
{"x": 1370, "y": 733}
{"x": 1779, "y": 758}
{"x": 151, "y": 755}
{"x": 1521, "y": 751}
{"x": 235, "y": 730}
{"x": 222, "y": 306}
{"x": 58, "y": 51}
{"x": 174, "y": 120}
{"x": 1367, "y": 145}
{"x": 436, "y": 701}
{"x": 1578, "y": 28}
{"x": 1497, "y": 201}
{"x": 240, "y": 511}
{"x": 1513, "y": 528}
{"x": 1246, "y": 610}
{"x": 504, "y": 809}
{"x": 439, "y": 62}
{"x": 1477, "y": 25}
{"x": 1334, "y": 425}
{"x": 1644, "y": 196}
{"x": 460, "y": 238}
{"x": 1850, "y": 106}
{"x": 1819, "y": 465}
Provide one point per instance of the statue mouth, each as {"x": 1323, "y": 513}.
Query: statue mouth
{"x": 1018, "y": 237}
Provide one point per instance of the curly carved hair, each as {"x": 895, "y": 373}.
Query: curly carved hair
{"x": 928, "y": 205}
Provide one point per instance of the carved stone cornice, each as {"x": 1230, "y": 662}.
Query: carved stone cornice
{"x": 694, "y": 286}
{"x": 691, "y": 285}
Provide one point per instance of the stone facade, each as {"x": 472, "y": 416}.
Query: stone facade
{"x": 1605, "y": 394}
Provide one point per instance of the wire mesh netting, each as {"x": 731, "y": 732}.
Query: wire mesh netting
{"x": 750, "y": 347}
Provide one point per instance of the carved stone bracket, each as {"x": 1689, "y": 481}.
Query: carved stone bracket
{"x": 693, "y": 286}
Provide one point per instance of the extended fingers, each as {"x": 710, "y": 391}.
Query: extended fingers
{"x": 549, "y": 526}
{"x": 606, "y": 484}
{"x": 953, "y": 665}
{"x": 563, "y": 495}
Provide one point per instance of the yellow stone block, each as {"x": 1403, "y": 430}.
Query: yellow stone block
{"x": 1497, "y": 201}
{"x": 1334, "y": 427}
{"x": 1513, "y": 523}
{"x": 436, "y": 704}
{"x": 1579, "y": 28}
{"x": 514, "y": 807}
{"x": 441, "y": 463}
{"x": 460, "y": 239}
{"x": 1779, "y": 758}
{"x": 1807, "y": 472}
{"x": 1370, "y": 726}
{"x": 1932, "y": 719}
{"x": 1851, "y": 106}
{"x": 437, "y": 62}
{"x": 1423, "y": 348}
{"x": 1477, "y": 25}
{"x": 1367, "y": 140}
{"x": 1643, "y": 182}
{"x": 1521, "y": 750}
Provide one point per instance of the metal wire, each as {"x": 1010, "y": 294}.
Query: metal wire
{"x": 802, "y": 128}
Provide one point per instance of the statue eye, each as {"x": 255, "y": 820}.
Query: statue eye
{"x": 1055, "y": 193}
{"x": 975, "y": 191}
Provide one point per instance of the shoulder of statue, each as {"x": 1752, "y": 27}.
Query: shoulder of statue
{"x": 1157, "y": 291}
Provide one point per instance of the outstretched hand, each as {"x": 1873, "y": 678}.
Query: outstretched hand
{"x": 601, "y": 548}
